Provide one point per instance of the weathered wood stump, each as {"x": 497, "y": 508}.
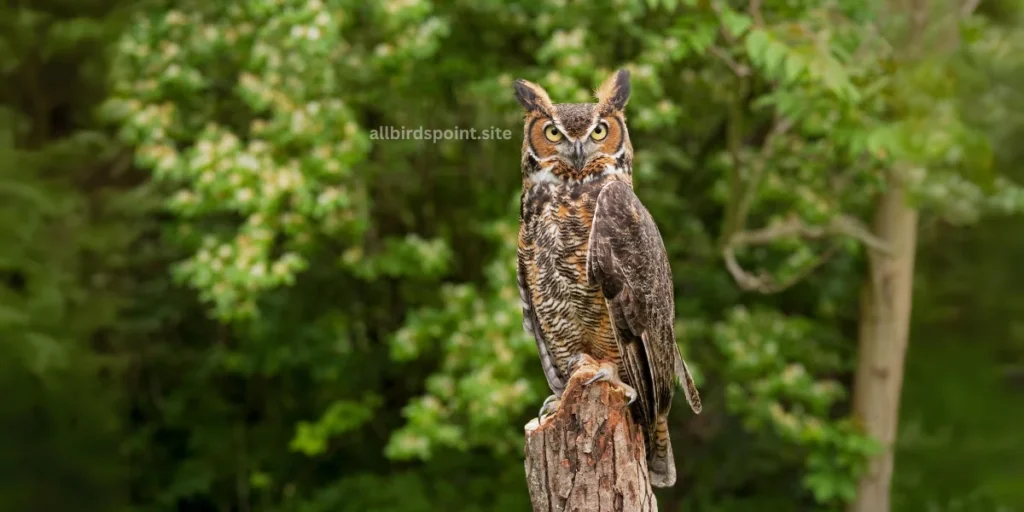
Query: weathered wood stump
{"x": 588, "y": 456}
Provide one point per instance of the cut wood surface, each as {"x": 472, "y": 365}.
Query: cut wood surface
{"x": 588, "y": 455}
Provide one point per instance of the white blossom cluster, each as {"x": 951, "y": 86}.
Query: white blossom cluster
{"x": 243, "y": 108}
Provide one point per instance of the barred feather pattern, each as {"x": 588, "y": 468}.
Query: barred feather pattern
{"x": 592, "y": 270}
{"x": 566, "y": 314}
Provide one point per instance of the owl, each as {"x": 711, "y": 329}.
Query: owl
{"x": 592, "y": 270}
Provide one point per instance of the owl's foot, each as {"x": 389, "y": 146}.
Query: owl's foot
{"x": 549, "y": 406}
{"x": 610, "y": 374}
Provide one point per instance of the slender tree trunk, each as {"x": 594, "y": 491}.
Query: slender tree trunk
{"x": 884, "y": 328}
{"x": 923, "y": 30}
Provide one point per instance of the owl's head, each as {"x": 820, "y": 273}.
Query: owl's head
{"x": 576, "y": 141}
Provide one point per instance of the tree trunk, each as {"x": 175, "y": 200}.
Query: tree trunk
{"x": 924, "y": 30}
{"x": 588, "y": 456}
{"x": 884, "y": 328}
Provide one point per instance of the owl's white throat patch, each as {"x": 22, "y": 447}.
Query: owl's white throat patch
{"x": 544, "y": 175}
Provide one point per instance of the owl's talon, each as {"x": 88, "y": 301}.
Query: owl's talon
{"x": 630, "y": 393}
{"x": 602, "y": 374}
{"x": 549, "y": 406}
{"x": 608, "y": 373}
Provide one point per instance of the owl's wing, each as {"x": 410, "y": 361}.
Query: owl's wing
{"x": 627, "y": 259}
{"x": 555, "y": 380}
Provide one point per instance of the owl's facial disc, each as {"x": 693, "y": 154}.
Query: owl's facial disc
{"x": 576, "y": 140}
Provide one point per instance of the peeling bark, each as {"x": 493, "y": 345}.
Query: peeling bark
{"x": 588, "y": 456}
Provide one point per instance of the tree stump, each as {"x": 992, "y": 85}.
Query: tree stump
{"x": 588, "y": 456}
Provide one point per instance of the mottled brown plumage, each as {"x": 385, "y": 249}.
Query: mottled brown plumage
{"x": 593, "y": 274}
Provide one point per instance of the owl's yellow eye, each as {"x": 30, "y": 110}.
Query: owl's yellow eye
{"x": 552, "y": 133}
{"x": 600, "y": 132}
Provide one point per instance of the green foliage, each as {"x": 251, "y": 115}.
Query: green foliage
{"x": 480, "y": 387}
{"x": 276, "y": 178}
{"x": 772, "y": 392}
{"x": 290, "y": 314}
{"x": 66, "y": 221}
{"x": 342, "y": 416}
{"x": 269, "y": 152}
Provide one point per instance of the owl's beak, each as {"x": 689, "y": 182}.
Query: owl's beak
{"x": 579, "y": 158}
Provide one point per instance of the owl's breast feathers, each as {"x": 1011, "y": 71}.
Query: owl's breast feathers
{"x": 565, "y": 312}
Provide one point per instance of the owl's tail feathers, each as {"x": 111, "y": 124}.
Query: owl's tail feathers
{"x": 661, "y": 463}
{"x": 686, "y": 382}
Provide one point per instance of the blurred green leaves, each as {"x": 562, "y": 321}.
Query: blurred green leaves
{"x": 343, "y": 329}
{"x": 775, "y": 393}
{"x": 340, "y": 417}
{"x": 279, "y": 162}
{"x": 480, "y": 387}
{"x": 396, "y": 257}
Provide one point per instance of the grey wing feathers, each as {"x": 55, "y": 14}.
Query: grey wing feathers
{"x": 685, "y": 380}
{"x": 627, "y": 259}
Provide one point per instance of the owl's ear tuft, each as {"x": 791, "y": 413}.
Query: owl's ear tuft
{"x": 614, "y": 92}
{"x": 533, "y": 97}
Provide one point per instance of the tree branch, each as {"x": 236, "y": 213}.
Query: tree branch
{"x": 754, "y": 10}
{"x": 969, "y": 7}
{"x": 588, "y": 455}
{"x": 740, "y": 69}
{"x": 734, "y": 145}
{"x": 779, "y": 128}
{"x": 793, "y": 227}
{"x": 765, "y": 283}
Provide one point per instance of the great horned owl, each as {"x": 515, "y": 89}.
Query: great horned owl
{"x": 593, "y": 274}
